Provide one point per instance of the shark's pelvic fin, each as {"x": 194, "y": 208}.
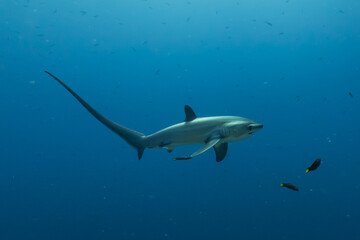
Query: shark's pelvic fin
{"x": 167, "y": 146}
{"x": 206, "y": 147}
{"x": 220, "y": 151}
{"x": 133, "y": 138}
{"x": 189, "y": 114}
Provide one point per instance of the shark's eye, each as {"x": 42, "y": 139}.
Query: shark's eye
{"x": 250, "y": 128}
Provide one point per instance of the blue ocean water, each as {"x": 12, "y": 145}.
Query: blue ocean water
{"x": 290, "y": 65}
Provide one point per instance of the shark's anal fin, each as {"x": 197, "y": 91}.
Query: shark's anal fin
{"x": 169, "y": 149}
{"x": 206, "y": 147}
{"x": 220, "y": 151}
{"x": 189, "y": 114}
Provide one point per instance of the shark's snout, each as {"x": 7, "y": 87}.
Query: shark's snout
{"x": 254, "y": 127}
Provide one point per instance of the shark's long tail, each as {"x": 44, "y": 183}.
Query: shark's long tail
{"x": 133, "y": 138}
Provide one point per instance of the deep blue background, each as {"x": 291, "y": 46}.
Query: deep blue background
{"x": 287, "y": 64}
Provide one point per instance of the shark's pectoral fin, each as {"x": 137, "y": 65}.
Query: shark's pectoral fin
{"x": 206, "y": 147}
{"x": 220, "y": 150}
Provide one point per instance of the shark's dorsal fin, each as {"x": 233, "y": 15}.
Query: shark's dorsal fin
{"x": 189, "y": 114}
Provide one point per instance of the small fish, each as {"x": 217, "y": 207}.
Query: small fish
{"x": 351, "y": 95}
{"x": 83, "y": 12}
{"x": 314, "y": 166}
{"x": 183, "y": 158}
{"x": 269, "y": 23}
{"x": 290, "y": 186}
